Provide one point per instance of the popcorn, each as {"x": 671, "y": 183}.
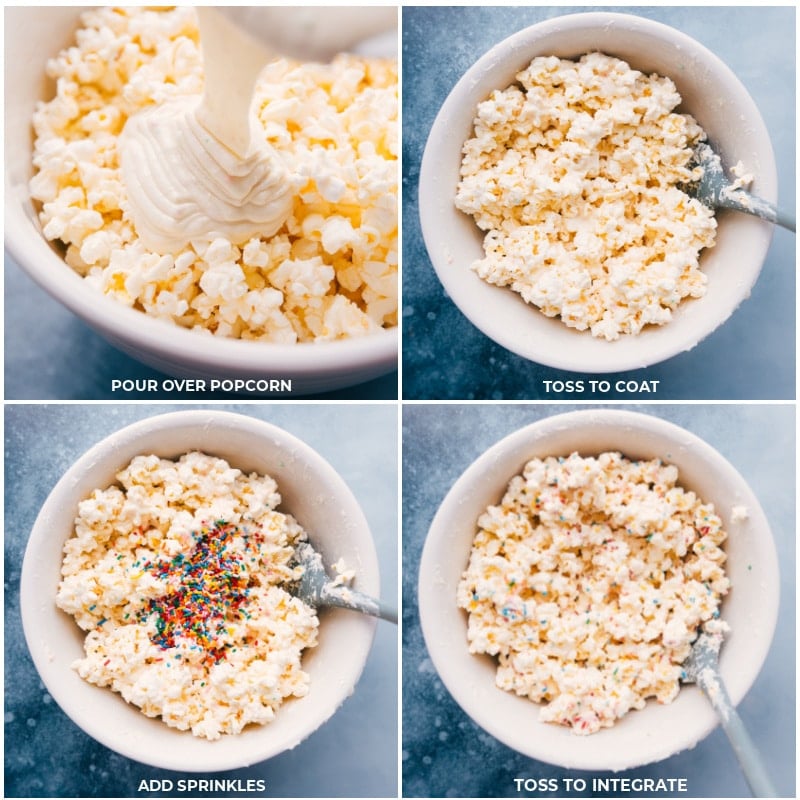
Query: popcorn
{"x": 335, "y": 127}
{"x": 177, "y": 574}
{"x": 589, "y": 582}
{"x": 575, "y": 176}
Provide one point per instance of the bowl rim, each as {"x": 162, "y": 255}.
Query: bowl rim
{"x": 433, "y": 597}
{"x": 463, "y": 286}
{"x": 119, "y": 446}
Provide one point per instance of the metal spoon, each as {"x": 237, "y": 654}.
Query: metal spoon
{"x": 716, "y": 190}
{"x": 702, "y": 668}
{"x": 316, "y": 588}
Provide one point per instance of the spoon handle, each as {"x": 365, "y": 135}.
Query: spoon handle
{"x": 785, "y": 220}
{"x": 743, "y": 746}
{"x": 741, "y": 200}
{"x": 358, "y": 601}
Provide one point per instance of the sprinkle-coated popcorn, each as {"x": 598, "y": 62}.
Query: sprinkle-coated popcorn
{"x": 590, "y": 581}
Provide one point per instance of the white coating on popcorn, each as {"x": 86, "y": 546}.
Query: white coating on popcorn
{"x": 184, "y": 185}
{"x": 589, "y": 582}
{"x": 575, "y": 174}
{"x": 329, "y": 272}
{"x": 177, "y": 573}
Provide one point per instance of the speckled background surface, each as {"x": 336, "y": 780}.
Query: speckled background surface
{"x": 445, "y": 754}
{"x": 353, "y": 755}
{"x": 446, "y": 357}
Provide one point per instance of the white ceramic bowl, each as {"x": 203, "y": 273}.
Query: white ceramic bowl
{"x": 311, "y": 491}
{"x": 31, "y": 36}
{"x": 657, "y": 731}
{"x": 710, "y": 92}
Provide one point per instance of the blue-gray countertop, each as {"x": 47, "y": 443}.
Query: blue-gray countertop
{"x": 751, "y": 356}
{"x": 353, "y": 755}
{"x": 445, "y": 754}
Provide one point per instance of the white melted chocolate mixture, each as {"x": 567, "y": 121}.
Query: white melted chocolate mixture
{"x": 195, "y": 170}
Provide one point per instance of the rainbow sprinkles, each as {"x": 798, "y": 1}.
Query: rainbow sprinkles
{"x": 205, "y": 591}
